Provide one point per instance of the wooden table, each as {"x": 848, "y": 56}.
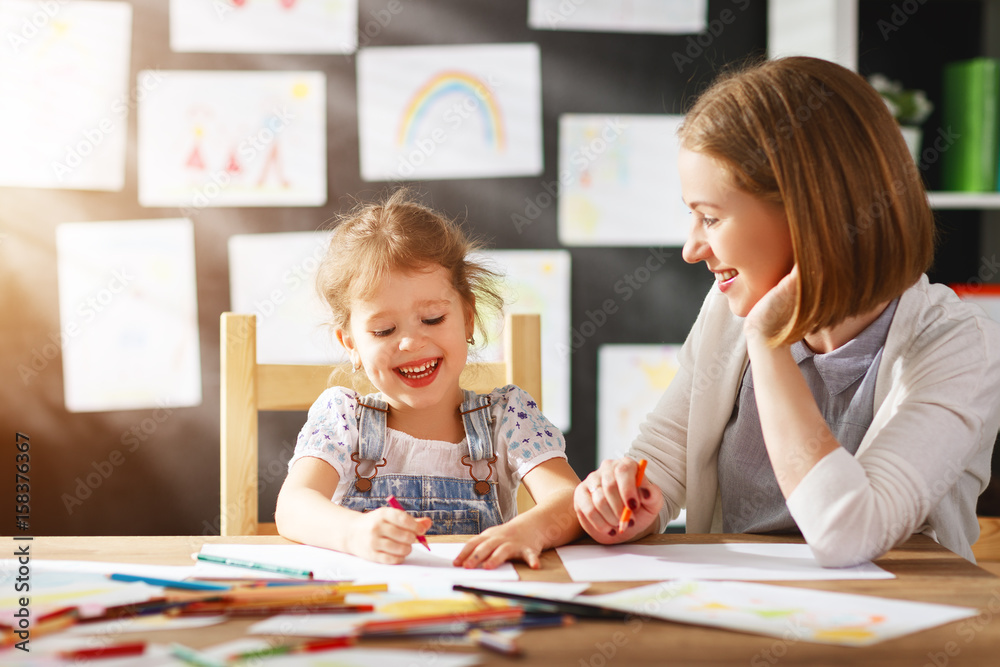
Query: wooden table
{"x": 924, "y": 572}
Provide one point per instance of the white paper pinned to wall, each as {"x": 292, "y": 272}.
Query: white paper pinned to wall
{"x": 64, "y": 86}
{"x": 648, "y": 16}
{"x": 430, "y": 112}
{"x": 273, "y": 276}
{"x": 278, "y": 26}
{"x": 223, "y": 138}
{"x": 129, "y": 315}
{"x": 618, "y": 181}
{"x": 538, "y": 281}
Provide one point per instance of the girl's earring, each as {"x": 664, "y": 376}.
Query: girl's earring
{"x": 471, "y": 340}
{"x": 355, "y": 365}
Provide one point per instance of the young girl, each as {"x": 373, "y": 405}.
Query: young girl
{"x": 827, "y": 386}
{"x": 404, "y": 295}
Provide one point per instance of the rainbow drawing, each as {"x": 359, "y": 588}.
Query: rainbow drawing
{"x": 446, "y": 83}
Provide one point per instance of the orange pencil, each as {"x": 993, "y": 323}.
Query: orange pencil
{"x": 626, "y": 512}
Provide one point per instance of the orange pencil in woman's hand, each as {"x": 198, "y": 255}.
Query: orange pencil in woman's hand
{"x": 626, "y": 512}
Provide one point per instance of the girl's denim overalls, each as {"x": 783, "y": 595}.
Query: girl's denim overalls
{"x": 456, "y": 506}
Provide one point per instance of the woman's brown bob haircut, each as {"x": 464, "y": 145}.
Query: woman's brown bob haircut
{"x": 816, "y": 138}
{"x": 400, "y": 234}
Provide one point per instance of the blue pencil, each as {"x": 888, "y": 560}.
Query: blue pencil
{"x": 171, "y": 583}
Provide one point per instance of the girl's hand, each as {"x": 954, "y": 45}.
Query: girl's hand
{"x": 600, "y": 498}
{"x": 386, "y": 535}
{"x": 497, "y": 545}
{"x": 775, "y": 308}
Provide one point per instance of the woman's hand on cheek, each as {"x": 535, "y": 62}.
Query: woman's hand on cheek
{"x": 775, "y": 308}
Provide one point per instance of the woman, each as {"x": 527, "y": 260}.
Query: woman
{"x": 826, "y": 387}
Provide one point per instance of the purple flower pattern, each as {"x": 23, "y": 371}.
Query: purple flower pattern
{"x": 331, "y": 429}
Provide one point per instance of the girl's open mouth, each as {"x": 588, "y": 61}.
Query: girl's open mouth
{"x": 419, "y": 374}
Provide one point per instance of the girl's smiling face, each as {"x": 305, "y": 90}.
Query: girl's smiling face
{"x": 410, "y": 336}
{"x": 743, "y": 240}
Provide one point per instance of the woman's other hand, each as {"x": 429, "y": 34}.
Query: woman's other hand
{"x": 600, "y": 498}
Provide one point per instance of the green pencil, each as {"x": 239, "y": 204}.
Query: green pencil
{"x": 193, "y": 657}
{"x": 266, "y": 567}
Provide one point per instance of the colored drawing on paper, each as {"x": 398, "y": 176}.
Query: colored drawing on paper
{"x": 273, "y": 276}
{"x": 463, "y": 85}
{"x": 64, "y": 82}
{"x": 646, "y": 16}
{"x": 128, "y": 307}
{"x": 780, "y": 611}
{"x": 233, "y": 139}
{"x": 421, "y": 117}
{"x": 621, "y": 186}
{"x": 538, "y": 281}
{"x": 264, "y": 26}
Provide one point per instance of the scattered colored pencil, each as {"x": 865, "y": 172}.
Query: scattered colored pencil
{"x": 444, "y": 623}
{"x": 171, "y": 583}
{"x": 252, "y": 565}
{"x": 110, "y": 651}
{"x": 193, "y": 657}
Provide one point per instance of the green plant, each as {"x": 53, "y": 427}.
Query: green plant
{"x": 909, "y": 107}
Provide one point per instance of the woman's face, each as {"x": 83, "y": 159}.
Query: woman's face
{"x": 743, "y": 240}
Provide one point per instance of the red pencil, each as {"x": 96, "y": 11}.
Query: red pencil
{"x": 395, "y": 503}
{"x": 114, "y": 650}
{"x": 324, "y": 645}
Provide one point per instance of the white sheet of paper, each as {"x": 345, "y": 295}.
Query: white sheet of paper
{"x": 541, "y": 589}
{"x": 428, "y": 112}
{"x": 128, "y": 315}
{"x": 264, "y": 27}
{"x": 64, "y": 86}
{"x": 796, "y": 614}
{"x": 648, "y": 16}
{"x": 658, "y": 562}
{"x": 225, "y": 138}
{"x": 538, "y": 281}
{"x": 176, "y": 572}
{"x": 333, "y": 565}
{"x": 619, "y": 184}
{"x": 274, "y": 277}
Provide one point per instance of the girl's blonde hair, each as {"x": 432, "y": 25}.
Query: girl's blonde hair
{"x": 817, "y": 139}
{"x": 401, "y": 234}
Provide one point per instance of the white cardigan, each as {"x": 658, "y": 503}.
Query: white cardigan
{"x": 920, "y": 467}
